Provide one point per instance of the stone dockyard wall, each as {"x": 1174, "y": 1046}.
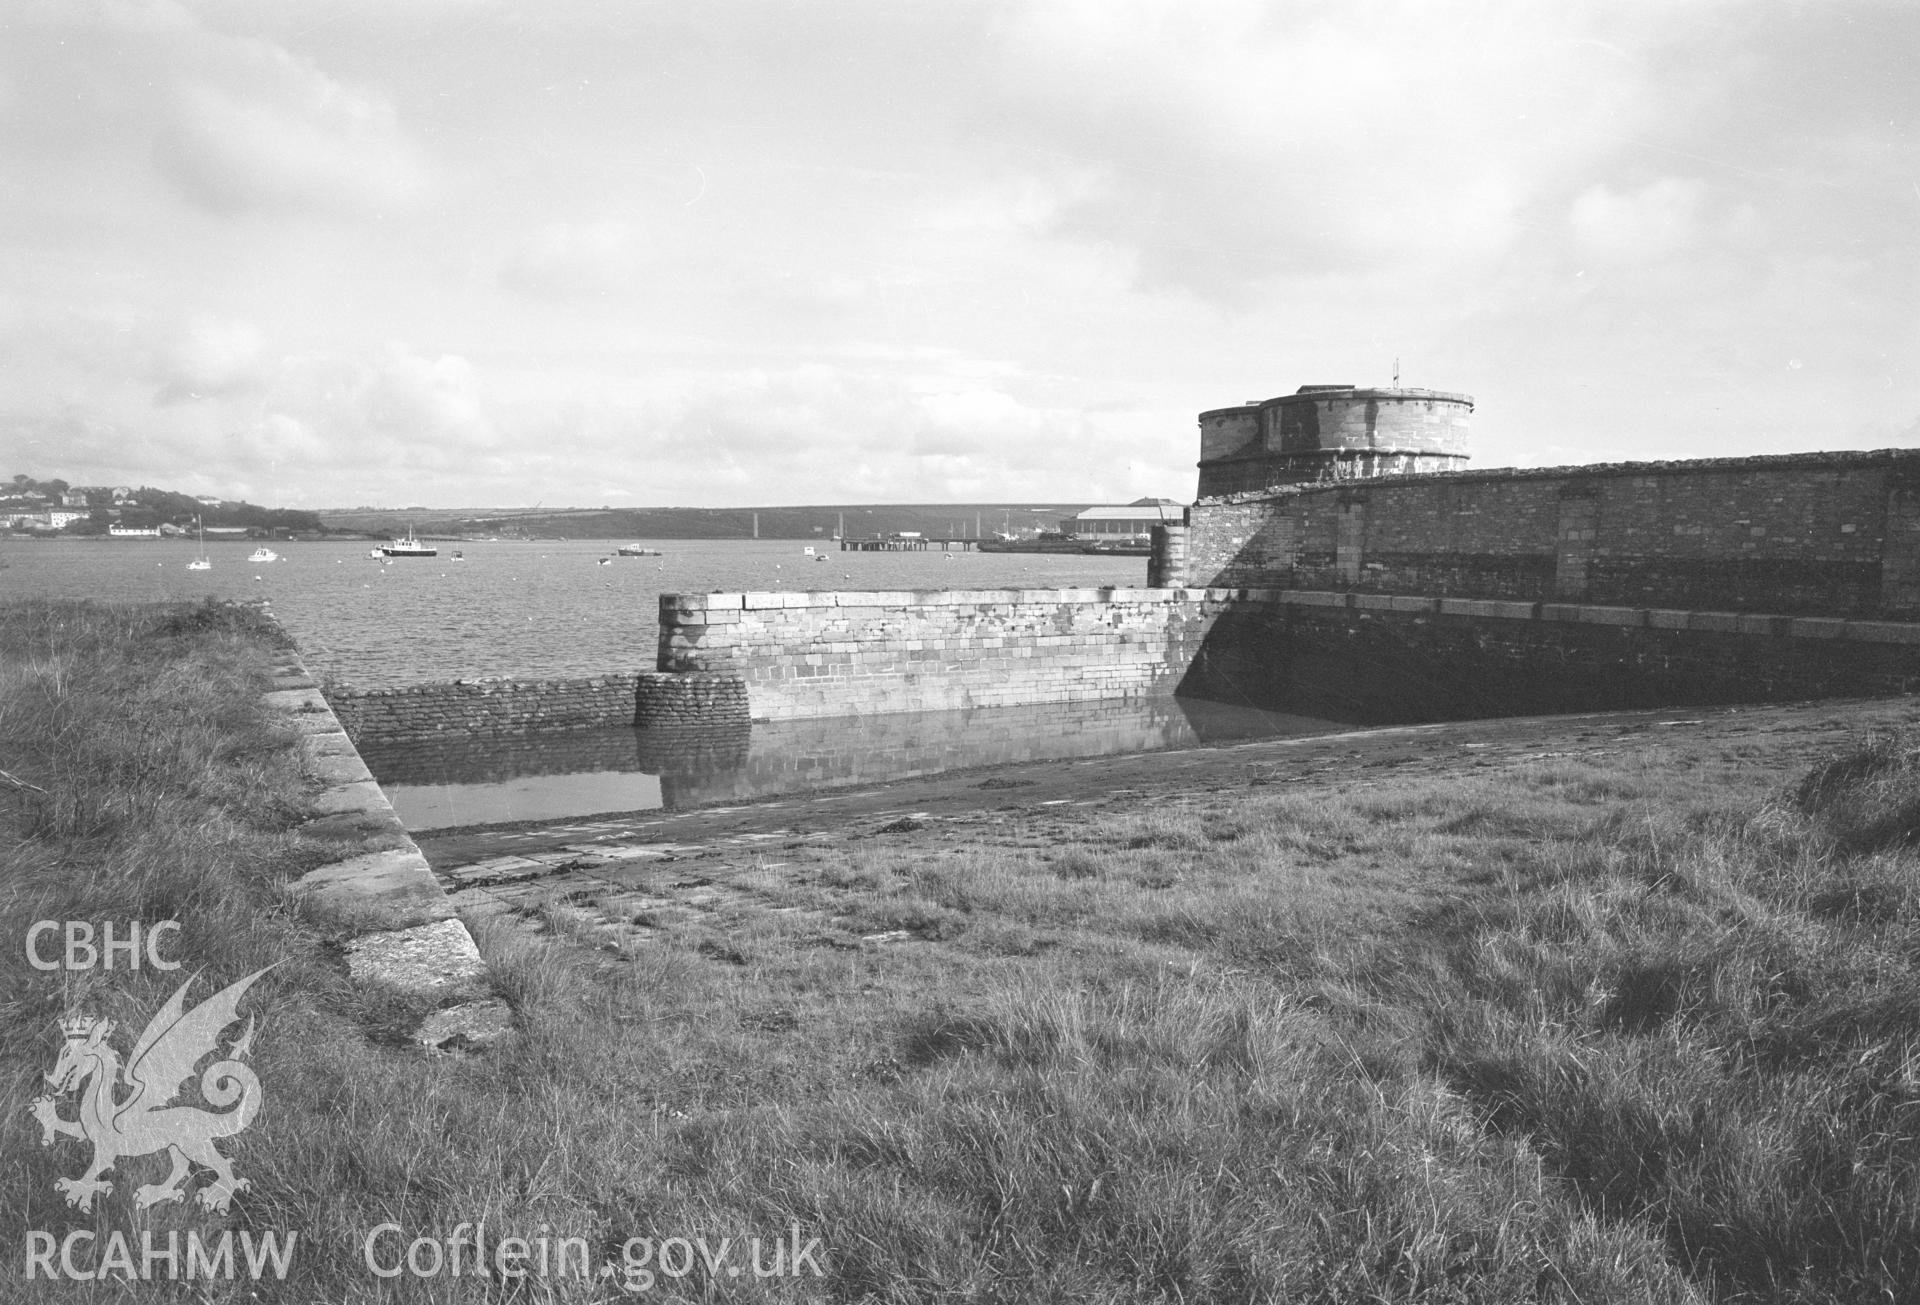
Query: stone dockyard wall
{"x": 1828, "y": 534}
{"x": 804, "y": 655}
{"x": 727, "y": 657}
{"x": 489, "y": 708}
{"x": 508, "y": 708}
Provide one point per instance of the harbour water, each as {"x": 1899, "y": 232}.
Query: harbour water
{"x": 530, "y": 609}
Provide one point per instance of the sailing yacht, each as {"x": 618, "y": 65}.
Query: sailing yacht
{"x": 200, "y": 563}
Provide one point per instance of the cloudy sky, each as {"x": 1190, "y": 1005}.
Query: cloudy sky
{"x": 464, "y": 252}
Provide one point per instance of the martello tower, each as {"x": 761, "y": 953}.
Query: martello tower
{"x": 1331, "y": 432}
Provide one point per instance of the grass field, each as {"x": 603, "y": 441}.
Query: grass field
{"x": 1640, "y": 1025}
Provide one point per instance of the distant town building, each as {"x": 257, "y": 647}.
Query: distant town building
{"x": 74, "y": 498}
{"x": 205, "y": 500}
{"x": 134, "y": 532}
{"x": 1134, "y": 520}
{"x": 53, "y": 519}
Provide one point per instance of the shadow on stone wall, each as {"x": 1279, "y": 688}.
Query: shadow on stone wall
{"x": 1393, "y": 667}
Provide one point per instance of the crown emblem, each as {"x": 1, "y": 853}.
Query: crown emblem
{"x": 76, "y": 1028}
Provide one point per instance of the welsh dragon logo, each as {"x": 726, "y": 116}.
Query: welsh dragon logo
{"x": 141, "y": 1123}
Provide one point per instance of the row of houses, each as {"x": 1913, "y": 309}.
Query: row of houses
{"x": 54, "y": 519}
{"x": 46, "y": 519}
{"x": 59, "y": 518}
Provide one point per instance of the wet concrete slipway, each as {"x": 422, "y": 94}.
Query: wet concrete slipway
{"x": 635, "y": 871}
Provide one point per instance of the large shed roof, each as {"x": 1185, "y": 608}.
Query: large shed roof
{"x": 1134, "y": 512}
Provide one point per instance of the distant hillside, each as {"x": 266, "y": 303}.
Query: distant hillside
{"x": 812, "y": 522}
{"x": 143, "y": 507}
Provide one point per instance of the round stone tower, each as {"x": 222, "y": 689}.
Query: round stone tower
{"x": 1331, "y": 432}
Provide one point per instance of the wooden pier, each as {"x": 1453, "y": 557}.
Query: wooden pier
{"x": 907, "y": 544}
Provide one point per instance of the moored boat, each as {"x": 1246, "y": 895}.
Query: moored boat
{"x": 263, "y": 554}
{"x": 408, "y": 547}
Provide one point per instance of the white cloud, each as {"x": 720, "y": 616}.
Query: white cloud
{"x": 814, "y": 294}
{"x": 817, "y": 433}
{"x": 1239, "y": 144}
{"x": 212, "y": 357}
{"x": 1656, "y": 220}
{"x": 568, "y": 260}
{"x": 413, "y": 399}
{"x": 404, "y": 402}
{"x": 296, "y": 141}
{"x": 277, "y": 440}
{"x": 233, "y": 123}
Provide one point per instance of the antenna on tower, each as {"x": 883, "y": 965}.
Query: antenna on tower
{"x": 1396, "y": 373}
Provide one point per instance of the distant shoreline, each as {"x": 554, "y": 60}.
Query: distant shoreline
{"x": 813, "y": 523}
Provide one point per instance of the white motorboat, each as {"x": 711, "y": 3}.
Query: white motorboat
{"x": 408, "y": 546}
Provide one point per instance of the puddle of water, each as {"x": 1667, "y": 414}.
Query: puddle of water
{"x": 491, "y": 781}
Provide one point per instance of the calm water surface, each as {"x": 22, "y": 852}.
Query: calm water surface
{"x": 461, "y": 781}
{"x": 528, "y": 609}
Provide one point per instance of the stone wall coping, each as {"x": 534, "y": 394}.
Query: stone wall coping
{"x": 491, "y": 684}
{"x": 378, "y": 896}
{"x": 1890, "y": 458}
{"x": 1499, "y": 608}
{"x": 686, "y": 609}
{"x": 1628, "y": 616}
{"x": 1883, "y": 631}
